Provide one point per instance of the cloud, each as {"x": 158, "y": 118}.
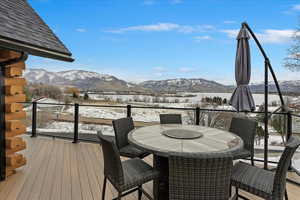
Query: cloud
{"x": 148, "y": 2}
{"x": 81, "y": 30}
{"x": 229, "y": 22}
{"x": 186, "y": 69}
{"x": 163, "y": 27}
{"x": 292, "y": 10}
{"x": 276, "y": 36}
{"x": 232, "y": 33}
{"x": 152, "y": 2}
{"x": 176, "y": 1}
{"x": 204, "y": 37}
{"x": 270, "y": 36}
{"x": 296, "y": 7}
{"x": 159, "y": 69}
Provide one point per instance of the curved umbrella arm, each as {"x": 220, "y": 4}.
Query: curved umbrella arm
{"x": 267, "y": 60}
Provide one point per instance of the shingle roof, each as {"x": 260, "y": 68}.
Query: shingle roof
{"x": 22, "y": 29}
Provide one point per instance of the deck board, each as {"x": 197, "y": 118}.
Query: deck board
{"x": 60, "y": 170}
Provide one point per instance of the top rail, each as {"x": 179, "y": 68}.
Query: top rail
{"x": 157, "y": 107}
{"x": 295, "y": 115}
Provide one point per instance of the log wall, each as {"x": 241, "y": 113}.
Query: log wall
{"x": 14, "y": 127}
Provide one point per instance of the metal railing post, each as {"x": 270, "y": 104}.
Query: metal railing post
{"x": 289, "y": 130}
{"x": 197, "y": 119}
{"x": 289, "y": 126}
{"x": 128, "y": 110}
{"x": 76, "y": 122}
{"x": 33, "y": 123}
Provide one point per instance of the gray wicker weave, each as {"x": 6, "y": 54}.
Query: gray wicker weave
{"x": 200, "y": 177}
{"x": 122, "y": 127}
{"x": 246, "y": 129}
{"x": 128, "y": 175}
{"x": 266, "y": 184}
{"x": 170, "y": 119}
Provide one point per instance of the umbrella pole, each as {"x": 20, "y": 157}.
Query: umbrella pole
{"x": 268, "y": 67}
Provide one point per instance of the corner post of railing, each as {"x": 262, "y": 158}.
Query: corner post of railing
{"x": 128, "y": 110}
{"x": 34, "y": 113}
{"x": 197, "y": 121}
{"x": 76, "y": 122}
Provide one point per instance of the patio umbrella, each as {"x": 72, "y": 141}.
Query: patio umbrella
{"x": 241, "y": 98}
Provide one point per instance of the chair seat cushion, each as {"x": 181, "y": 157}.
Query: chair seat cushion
{"x": 137, "y": 172}
{"x": 132, "y": 152}
{"x": 241, "y": 154}
{"x": 252, "y": 179}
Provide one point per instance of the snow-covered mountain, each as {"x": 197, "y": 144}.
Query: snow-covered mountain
{"x": 185, "y": 85}
{"x": 85, "y": 80}
{"x": 285, "y": 86}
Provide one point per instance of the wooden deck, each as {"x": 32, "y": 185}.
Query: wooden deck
{"x": 60, "y": 170}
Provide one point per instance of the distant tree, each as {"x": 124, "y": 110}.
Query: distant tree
{"x": 260, "y": 117}
{"x": 28, "y": 94}
{"x": 75, "y": 95}
{"x": 292, "y": 61}
{"x": 260, "y": 132}
{"x": 224, "y": 101}
{"x": 86, "y": 96}
{"x": 49, "y": 91}
{"x": 73, "y": 91}
{"x": 274, "y": 103}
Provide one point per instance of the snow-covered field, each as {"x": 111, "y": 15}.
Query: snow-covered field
{"x": 138, "y": 114}
{"x": 258, "y": 98}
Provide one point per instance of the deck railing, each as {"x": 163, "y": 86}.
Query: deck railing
{"x": 129, "y": 108}
{"x": 75, "y": 136}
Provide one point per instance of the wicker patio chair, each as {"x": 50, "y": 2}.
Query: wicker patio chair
{"x": 122, "y": 127}
{"x": 170, "y": 119}
{"x": 200, "y": 177}
{"x": 127, "y": 176}
{"x": 266, "y": 184}
{"x": 246, "y": 129}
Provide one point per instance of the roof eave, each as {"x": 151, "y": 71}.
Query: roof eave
{"x": 34, "y": 50}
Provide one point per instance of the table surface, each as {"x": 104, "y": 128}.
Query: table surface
{"x": 153, "y": 139}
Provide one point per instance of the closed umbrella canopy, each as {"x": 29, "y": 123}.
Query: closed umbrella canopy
{"x": 242, "y": 99}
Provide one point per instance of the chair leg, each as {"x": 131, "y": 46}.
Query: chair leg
{"x": 237, "y": 192}
{"x": 286, "y": 195}
{"x": 230, "y": 190}
{"x": 104, "y": 188}
{"x": 140, "y": 193}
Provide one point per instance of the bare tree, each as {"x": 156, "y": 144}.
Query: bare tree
{"x": 216, "y": 119}
{"x": 292, "y": 61}
{"x": 278, "y": 122}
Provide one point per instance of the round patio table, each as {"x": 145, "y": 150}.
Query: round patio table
{"x": 163, "y": 140}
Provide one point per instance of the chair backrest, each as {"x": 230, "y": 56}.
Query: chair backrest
{"x": 205, "y": 177}
{"x": 283, "y": 165}
{"x": 122, "y": 127}
{"x": 246, "y": 129}
{"x": 170, "y": 119}
{"x": 112, "y": 163}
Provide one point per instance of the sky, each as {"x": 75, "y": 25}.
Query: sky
{"x": 138, "y": 40}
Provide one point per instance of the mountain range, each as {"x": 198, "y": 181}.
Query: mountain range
{"x": 86, "y": 80}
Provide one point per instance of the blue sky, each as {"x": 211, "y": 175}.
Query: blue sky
{"x": 140, "y": 40}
